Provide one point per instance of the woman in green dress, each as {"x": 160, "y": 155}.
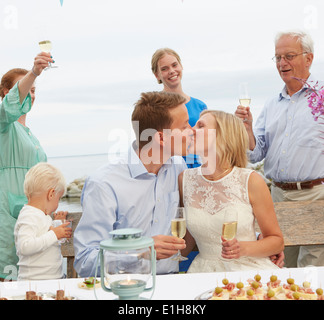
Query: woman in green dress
{"x": 19, "y": 151}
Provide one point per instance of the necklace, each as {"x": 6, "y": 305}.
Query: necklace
{"x": 223, "y": 173}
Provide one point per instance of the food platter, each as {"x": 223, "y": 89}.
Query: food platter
{"x": 253, "y": 289}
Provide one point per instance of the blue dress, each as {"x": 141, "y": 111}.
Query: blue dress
{"x": 194, "y": 107}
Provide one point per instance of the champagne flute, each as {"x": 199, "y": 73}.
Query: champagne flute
{"x": 244, "y": 97}
{"x": 178, "y": 229}
{"x": 46, "y": 46}
{"x": 229, "y": 228}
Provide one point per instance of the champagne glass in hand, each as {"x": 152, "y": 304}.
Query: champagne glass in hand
{"x": 178, "y": 229}
{"x": 244, "y": 96}
{"x": 46, "y": 46}
{"x": 229, "y": 224}
{"x": 229, "y": 228}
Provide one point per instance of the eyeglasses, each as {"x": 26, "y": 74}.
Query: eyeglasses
{"x": 287, "y": 57}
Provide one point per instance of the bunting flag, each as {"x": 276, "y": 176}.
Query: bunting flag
{"x": 61, "y": 2}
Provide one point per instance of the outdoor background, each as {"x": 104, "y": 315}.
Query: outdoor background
{"x": 103, "y": 49}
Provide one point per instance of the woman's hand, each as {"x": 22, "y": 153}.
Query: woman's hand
{"x": 25, "y": 84}
{"x": 41, "y": 62}
{"x": 231, "y": 249}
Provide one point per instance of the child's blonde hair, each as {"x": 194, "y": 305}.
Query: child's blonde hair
{"x": 231, "y": 139}
{"x": 43, "y": 177}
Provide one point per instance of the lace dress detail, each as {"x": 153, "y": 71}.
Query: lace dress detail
{"x": 205, "y": 202}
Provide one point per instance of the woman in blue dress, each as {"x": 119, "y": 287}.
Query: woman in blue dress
{"x": 20, "y": 150}
{"x": 167, "y": 68}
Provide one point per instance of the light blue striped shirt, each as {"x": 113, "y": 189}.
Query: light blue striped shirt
{"x": 289, "y": 139}
{"x": 126, "y": 195}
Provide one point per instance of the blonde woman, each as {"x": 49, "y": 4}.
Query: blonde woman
{"x": 223, "y": 183}
{"x": 167, "y": 68}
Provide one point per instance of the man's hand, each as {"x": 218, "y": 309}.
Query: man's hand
{"x": 167, "y": 246}
{"x": 278, "y": 259}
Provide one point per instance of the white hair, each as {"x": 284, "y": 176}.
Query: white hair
{"x": 43, "y": 177}
{"x": 302, "y": 37}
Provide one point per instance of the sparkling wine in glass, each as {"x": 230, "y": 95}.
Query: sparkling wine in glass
{"x": 178, "y": 229}
{"x": 244, "y": 97}
{"x": 46, "y": 46}
{"x": 229, "y": 228}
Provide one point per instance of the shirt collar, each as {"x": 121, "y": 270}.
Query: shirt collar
{"x": 136, "y": 166}
{"x": 311, "y": 81}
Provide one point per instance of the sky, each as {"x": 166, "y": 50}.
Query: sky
{"x": 103, "y": 51}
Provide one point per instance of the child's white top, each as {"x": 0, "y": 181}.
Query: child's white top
{"x": 38, "y": 249}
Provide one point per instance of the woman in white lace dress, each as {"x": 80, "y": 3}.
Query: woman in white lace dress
{"x": 223, "y": 183}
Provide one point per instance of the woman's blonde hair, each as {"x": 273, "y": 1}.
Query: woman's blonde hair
{"x": 160, "y": 53}
{"x": 231, "y": 139}
{"x": 43, "y": 177}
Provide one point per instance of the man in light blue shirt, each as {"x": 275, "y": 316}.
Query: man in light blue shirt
{"x": 288, "y": 138}
{"x": 140, "y": 191}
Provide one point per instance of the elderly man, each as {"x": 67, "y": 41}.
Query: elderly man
{"x": 140, "y": 191}
{"x": 288, "y": 138}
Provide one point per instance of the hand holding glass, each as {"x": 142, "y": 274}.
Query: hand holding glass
{"x": 46, "y": 46}
{"x": 66, "y": 240}
{"x": 178, "y": 229}
{"x": 229, "y": 228}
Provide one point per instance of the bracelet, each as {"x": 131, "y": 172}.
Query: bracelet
{"x": 32, "y": 70}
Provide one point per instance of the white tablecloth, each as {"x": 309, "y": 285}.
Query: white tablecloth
{"x": 168, "y": 287}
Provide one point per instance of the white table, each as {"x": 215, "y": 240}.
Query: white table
{"x": 168, "y": 287}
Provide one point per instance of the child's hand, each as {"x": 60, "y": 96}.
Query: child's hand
{"x": 60, "y": 215}
{"x": 62, "y": 231}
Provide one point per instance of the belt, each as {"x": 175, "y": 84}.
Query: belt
{"x": 299, "y": 185}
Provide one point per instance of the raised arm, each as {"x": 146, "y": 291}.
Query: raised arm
{"x": 26, "y": 83}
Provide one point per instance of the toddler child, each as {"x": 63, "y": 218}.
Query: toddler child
{"x": 37, "y": 245}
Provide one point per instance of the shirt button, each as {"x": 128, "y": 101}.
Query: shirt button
{"x": 283, "y": 151}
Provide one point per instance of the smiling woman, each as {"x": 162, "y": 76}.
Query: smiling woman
{"x": 167, "y": 68}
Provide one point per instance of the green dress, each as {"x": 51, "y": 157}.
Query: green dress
{"x": 19, "y": 151}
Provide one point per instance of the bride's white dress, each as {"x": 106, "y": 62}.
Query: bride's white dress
{"x": 205, "y": 202}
